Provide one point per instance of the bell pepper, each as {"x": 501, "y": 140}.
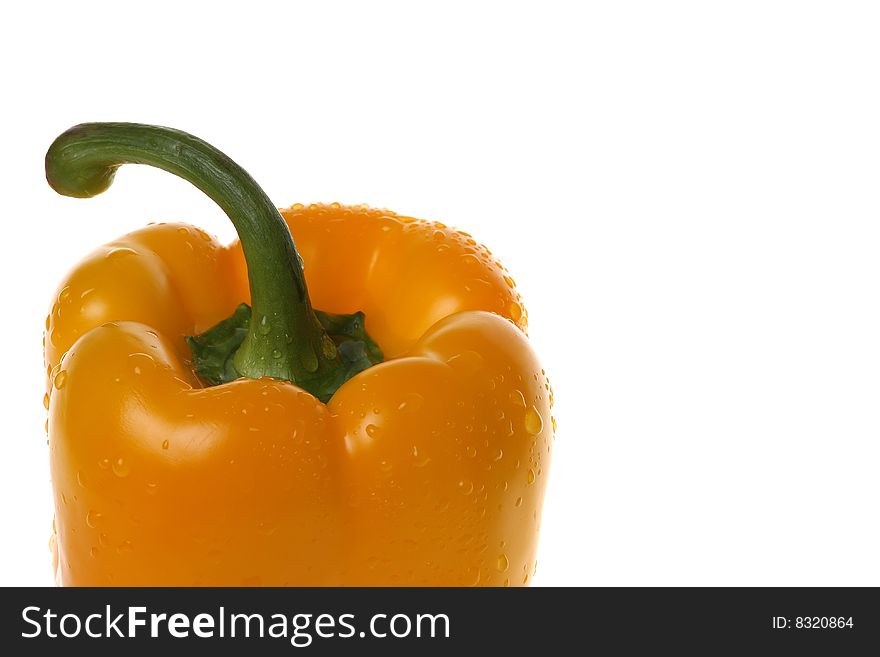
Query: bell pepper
{"x": 208, "y": 426}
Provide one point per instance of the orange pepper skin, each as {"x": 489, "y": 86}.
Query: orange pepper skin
{"x": 427, "y": 469}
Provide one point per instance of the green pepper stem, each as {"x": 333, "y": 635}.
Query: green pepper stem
{"x": 285, "y": 340}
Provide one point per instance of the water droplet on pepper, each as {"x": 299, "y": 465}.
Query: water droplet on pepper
{"x": 309, "y": 360}
{"x": 517, "y": 399}
{"x": 60, "y": 379}
{"x": 411, "y": 402}
{"x": 534, "y": 423}
{"x": 121, "y": 468}
{"x": 93, "y": 518}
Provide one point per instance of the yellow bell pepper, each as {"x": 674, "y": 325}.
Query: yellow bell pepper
{"x": 208, "y": 427}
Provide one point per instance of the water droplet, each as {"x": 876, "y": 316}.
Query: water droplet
{"x": 467, "y": 362}
{"x": 93, "y": 518}
{"x": 121, "y": 468}
{"x": 502, "y": 563}
{"x": 411, "y": 402}
{"x": 499, "y": 454}
{"x": 64, "y": 295}
{"x": 373, "y": 431}
{"x": 516, "y": 311}
{"x": 466, "y": 487}
{"x": 104, "y": 464}
{"x": 119, "y": 252}
{"x": 276, "y": 353}
{"x": 266, "y": 527}
{"x": 420, "y": 460}
{"x": 93, "y": 552}
{"x": 124, "y": 547}
{"x": 510, "y": 282}
{"x": 518, "y": 502}
{"x": 151, "y": 488}
{"x": 60, "y": 379}
{"x": 103, "y": 539}
{"x": 264, "y": 328}
{"x": 553, "y": 422}
{"x": 165, "y": 444}
{"x": 46, "y": 401}
{"x": 517, "y": 399}
{"x": 309, "y": 360}
{"x": 534, "y": 423}
{"x": 530, "y": 476}
{"x": 328, "y": 347}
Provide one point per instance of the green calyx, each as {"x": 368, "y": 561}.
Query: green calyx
{"x": 281, "y": 336}
{"x": 214, "y": 350}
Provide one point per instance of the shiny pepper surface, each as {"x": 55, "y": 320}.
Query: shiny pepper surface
{"x": 427, "y": 468}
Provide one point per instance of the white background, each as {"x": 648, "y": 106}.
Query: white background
{"x": 686, "y": 192}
